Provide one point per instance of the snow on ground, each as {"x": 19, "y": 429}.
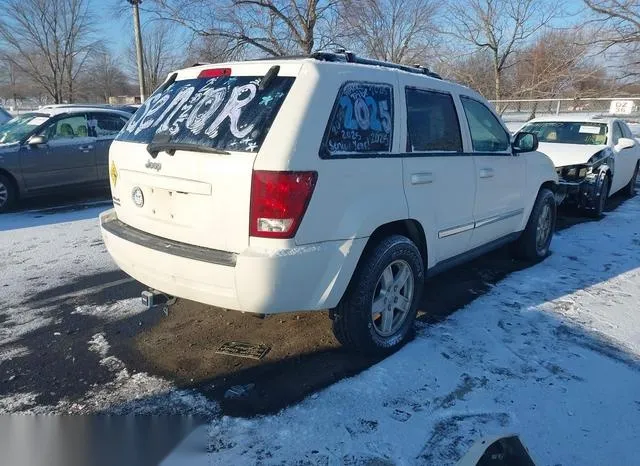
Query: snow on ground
{"x": 99, "y": 344}
{"x": 42, "y": 251}
{"x": 127, "y": 393}
{"x": 137, "y": 393}
{"x": 54, "y": 249}
{"x": 119, "y": 310}
{"x": 17, "y": 402}
{"x": 551, "y": 353}
{"x": 9, "y": 352}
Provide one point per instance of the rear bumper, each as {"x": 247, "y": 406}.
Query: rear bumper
{"x": 305, "y": 278}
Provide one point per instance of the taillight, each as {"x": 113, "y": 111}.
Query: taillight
{"x": 215, "y": 73}
{"x": 278, "y": 202}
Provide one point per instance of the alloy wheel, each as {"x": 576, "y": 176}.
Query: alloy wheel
{"x": 543, "y": 228}
{"x": 4, "y": 194}
{"x": 392, "y": 298}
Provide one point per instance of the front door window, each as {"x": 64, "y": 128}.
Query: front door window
{"x": 67, "y": 129}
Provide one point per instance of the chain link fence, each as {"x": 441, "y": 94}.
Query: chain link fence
{"x": 523, "y": 110}
{"x": 516, "y": 112}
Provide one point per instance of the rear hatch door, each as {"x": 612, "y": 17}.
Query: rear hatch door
{"x": 181, "y": 169}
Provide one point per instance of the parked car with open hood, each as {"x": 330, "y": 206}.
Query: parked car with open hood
{"x": 55, "y": 150}
{"x": 594, "y": 157}
{"x": 325, "y": 182}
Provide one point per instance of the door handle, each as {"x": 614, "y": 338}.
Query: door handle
{"x": 86, "y": 148}
{"x": 422, "y": 178}
{"x": 486, "y": 173}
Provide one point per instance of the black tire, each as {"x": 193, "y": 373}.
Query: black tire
{"x": 354, "y": 323}
{"x": 630, "y": 189}
{"x": 530, "y": 246}
{"x": 601, "y": 199}
{"x": 8, "y": 193}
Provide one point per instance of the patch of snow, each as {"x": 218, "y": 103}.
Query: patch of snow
{"x": 114, "y": 311}
{"x": 137, "y": 393}
{"x": 41, "y": 252}
{"x": 99, "y": 344}
{"x": 551, "y": 353}
{"x": 112, "y": 363}
{"x": 17, "y": 402}
{"x": 11, "y": 352}
{"x": 18, "y": 324}
{"x": 127, "y": 393}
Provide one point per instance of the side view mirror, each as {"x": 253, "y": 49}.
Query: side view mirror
{"x": 35, "y": 141}
{"x": 625, "y": 143}
{"x": 525, "y": 142}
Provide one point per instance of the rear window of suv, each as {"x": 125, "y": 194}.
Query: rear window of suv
{"x": 226, "y": 112}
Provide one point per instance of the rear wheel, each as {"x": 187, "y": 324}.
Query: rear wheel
{"x": 377, "y": 312}
{"x": 7, "y": 193}
{"x": 533, "y": 244}
{"x": 630, "y": 189}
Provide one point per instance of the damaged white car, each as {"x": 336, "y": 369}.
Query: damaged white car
{"x": 595, "y": 158}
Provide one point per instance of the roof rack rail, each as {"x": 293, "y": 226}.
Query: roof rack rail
{"x": 342, "y": 55}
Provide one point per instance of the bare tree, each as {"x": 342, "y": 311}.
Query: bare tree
{"x": 557, "y": 64}
{"x": 552, "y": 64}
{"x": 474, "y": 70}
{"x": 211, "y": 49}
{"x": 48, "y": 40}
{"x": 501, "y": 27}
{"x": 272, "y": 27}
{"x": 618, "y": 31}
{"x": 401, "y": 31}
{"x": 105, "y": 78}
{"x": 163, "y": 52}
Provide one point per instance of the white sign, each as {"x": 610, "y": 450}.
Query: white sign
{"x": 621, "y": 107}
{"x": 589, "y": 129}
{"x": 37, "y": 121}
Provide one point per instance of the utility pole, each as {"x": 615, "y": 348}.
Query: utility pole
{"x": 139, "y": 55}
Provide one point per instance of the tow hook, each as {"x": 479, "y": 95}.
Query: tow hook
{"x": 152, "y": 298}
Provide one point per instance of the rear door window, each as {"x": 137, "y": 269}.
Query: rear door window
{"x": 224, "y": 112}
{"x": 106, "y": 125}
{"x": 432, "y": 122}
{"x": 361, "y": 120}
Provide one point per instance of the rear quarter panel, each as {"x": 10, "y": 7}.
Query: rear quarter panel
{"x": 353, "y": 196}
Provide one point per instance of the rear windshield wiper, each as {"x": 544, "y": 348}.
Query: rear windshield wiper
{"x": 171, "y": 147}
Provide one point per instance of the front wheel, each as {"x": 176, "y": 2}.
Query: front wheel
{"x": 7, "y": 193}
{"x": 601, "y": 200}
{"x": 377, "y": 312}
{"x": 533, "y": 244}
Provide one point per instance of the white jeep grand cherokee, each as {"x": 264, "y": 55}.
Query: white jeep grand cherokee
{"x": 327, "y": 182}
